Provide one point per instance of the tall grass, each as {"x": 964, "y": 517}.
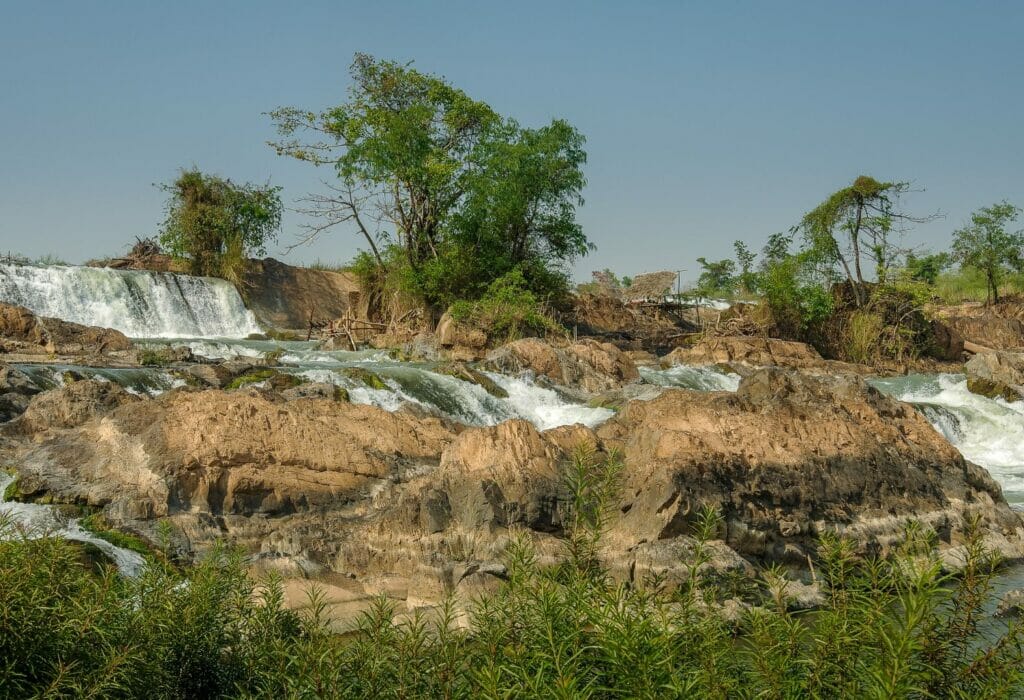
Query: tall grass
{"x": 888, "y": 627}
{"x": 968, "y": 284}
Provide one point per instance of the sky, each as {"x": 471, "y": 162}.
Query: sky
{"x": 705, "y": 122}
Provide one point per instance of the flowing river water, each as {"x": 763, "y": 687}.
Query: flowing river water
{"x": 208, "y": 316}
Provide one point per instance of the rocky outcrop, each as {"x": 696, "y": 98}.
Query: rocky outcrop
{"x": 287, "y": 297}
{"x": 461, "y": 340}
{"x": 996, "y": 375}
{"x": 996, "y": 326}
{"x": 588, "y": 365}
{"x": 22, "y": 332}
{"x": 743, "y": 352}
{"x": 414, "y": 507}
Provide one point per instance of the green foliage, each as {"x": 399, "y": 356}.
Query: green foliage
{"x": 745, "y": 258}
{"x": 717, "y": 278}
{"x": 927, "y": 268}
{"x": 12, "y": 492}
{"x": 217, "y": 224}
{"x": 254, "y": 377}
{"x": 970, "y": 284}
{"x": 98, "y": 525}
{"x": 470, "y": 195}
{"x": 986, "y": 245}
{"x": 794, "y": 294}
{"x": 507, "y": 310}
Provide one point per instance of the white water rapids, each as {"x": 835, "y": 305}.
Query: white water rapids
{"x": 139, "y": 304}
{"x": 33, "y": 520}
{"x": 988, "y": 432}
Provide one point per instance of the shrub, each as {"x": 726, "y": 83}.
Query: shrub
{"x": 508, "y": 310}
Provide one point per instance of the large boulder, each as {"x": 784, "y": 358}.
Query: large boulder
{"x": 995, "y": 326}
{"x": 790, "y": 456}
{"x": 288, "y": 297}
{"x": 23, "y": 332}
{"x": 588, "y": 365}
{"x": 212, "y": 452}
{"x": 748, "y": 350}
{"x": 996, "y": 375}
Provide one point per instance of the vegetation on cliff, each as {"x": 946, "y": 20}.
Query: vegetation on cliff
{"x": 216, "y": 224}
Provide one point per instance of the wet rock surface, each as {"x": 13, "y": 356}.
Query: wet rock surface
{"x": 996, "y": 375}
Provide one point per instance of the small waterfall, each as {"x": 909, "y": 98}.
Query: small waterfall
{"x": 988, "y": 432}
{"x": 33, "y": 520}
{"x": 137, "y": 303}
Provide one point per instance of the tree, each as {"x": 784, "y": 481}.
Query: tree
{"x": 217, "y": 224}
{"x": 746, "y": 257}
{"x": 986, "y": 245}
{"x": 468, "y": 196}
{"x": 927, "y": 268}
{"x": 858, "y": 223}
{"x": 717, "y": 277}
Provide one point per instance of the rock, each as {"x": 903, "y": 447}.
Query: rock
{"x": 997, "y": 374}
{"x": 217, "y": 376}
{"x": 169, "y": 355}
{"x": 468, "y": 374}
{"x": 451, "y": 333}
{"x": 370, "y": 379}
{"x": 947, "y": 342}
{"x": 1011, "y": 604}
{"x": 790, "y": 456}
{"x": 316, "y": 390}
{"x": 286, "y": 297}
{"x": 745, "y": 350}
{"x": 22, "y": 331}
{"x": 72, "y": 406}
{"x": 216, "y": 453}
{"x": 996, "y": 326}
{"x": 589, "y": 365}
{"x": 415, "y": 507}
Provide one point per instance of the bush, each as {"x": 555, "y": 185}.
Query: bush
{"x": 508, "y": 310}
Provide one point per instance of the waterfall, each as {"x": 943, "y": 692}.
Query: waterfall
{"x": 139, "y": 304}
{"x": 989, "y": 432}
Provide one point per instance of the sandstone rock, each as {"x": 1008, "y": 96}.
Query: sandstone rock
{"x": 996, "y": 374}
{"x": 288, "y": 297}
{"x": 316, "y": 390}
{"x": 468, "y": 374}
{"x": 218, "y": 453}
{"x": 790, "y": 456}
{"x": 1011, "y": 604}
{"x": 21, "y": 331}
{"x": 589, "y": 365}
{"x": 451, "y": 333}
{"x": 414, "y": 507}
{"x": 748, "y": 350}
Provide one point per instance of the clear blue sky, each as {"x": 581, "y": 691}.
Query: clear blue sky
{"x": 705, "y": 122}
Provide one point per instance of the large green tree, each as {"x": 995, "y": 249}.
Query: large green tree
{"x": 465, "y": 194}
{"x": 216, "y": 224}
{"x": 986, "y": 245}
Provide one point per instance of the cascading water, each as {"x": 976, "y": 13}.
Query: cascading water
{"x": 33, "y": 520}
{"x": 696, "y": 377}
{"x": 988, "y": 432}
{"x": 139, "y": 304}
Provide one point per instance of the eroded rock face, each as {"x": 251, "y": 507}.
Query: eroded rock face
{"x": 789, "y": 456}
{"x": 21, "y": 331}
{"x": 589, "y": 365}
{"x": 997, "y": 326}
{"x": 748, "y": 350}
{"x": 996, "y": 375}
{"x": 414, "y": 507}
